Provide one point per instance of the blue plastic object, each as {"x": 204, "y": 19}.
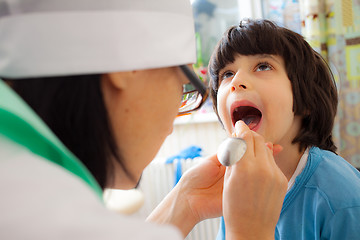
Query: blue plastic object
{"x": 188, "y": 153}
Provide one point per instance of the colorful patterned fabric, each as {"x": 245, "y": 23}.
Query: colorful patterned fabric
{"x": 332, "y": 27}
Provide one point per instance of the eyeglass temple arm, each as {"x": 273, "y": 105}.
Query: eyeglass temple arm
{"x": 200, "y": 86}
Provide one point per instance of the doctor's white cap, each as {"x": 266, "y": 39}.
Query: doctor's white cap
{"x": 69, "y": 37}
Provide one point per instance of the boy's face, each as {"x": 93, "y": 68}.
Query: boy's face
{"x": 256, "y": 90}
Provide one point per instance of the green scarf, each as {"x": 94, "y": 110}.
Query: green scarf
{"x": 19, "y": 123}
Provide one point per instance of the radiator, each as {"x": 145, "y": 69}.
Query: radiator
{"x": 157, "y": 180}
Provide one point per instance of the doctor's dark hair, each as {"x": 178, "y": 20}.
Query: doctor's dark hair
{"x": 314, "y": 90}
{"x": 74, "y": 109}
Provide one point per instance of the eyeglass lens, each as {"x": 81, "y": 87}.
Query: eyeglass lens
{"x": 193, "y": 92}
{"x": 190, "y": 101}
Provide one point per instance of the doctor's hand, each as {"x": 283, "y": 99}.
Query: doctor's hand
{"x": 254, "y": 189}
{"x": 203, "y": 187}
{"x": 196, "y": 197}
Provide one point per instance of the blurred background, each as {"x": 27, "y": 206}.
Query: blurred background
{"x": 332, "y": 27}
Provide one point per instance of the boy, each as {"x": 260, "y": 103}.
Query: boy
{"x": 269, "y": 78}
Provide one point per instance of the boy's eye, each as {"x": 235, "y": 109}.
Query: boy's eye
{"x": 263, "y": 67}
{"x": 227, "y": 74}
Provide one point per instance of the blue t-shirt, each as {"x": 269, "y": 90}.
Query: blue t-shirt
{"x": 324, "y": 202}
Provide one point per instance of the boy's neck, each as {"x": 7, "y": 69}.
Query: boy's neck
{"x": 288, "y": 159}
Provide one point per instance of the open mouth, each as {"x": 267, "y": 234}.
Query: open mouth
{"x": 251, "y": 116}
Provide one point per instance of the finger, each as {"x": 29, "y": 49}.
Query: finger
{"x": 270, "y": 146}
{"x": 274, "y": 148}
{"x": 244, "y": 132}
{"x": 214, "y": 158}
{"x": 241, "y": 128}
{"x": 277, "y": 149}
{"x": 270, "y": 150}
{"x": 227, "y": 173}
{"x": 259, "y": 147}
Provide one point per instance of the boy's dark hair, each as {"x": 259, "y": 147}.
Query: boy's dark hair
{"x": 313, "y": 86}
{"x": 74, "y": 109}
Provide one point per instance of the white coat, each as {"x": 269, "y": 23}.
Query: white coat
{"x": 42, "y": 200}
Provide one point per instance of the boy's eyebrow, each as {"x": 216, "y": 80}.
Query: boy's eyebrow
{"x": 267, "y": 56}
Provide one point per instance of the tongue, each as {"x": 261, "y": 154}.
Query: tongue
{"x": 251, "y": 120}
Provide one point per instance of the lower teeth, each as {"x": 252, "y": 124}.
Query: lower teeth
{"x": 248, "y": 120}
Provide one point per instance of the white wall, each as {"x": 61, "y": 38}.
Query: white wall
{"x": 203, "y": 130}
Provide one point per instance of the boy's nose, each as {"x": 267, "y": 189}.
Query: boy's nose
{"x": 234, "y": 87}
{"x": 239, "y": 83}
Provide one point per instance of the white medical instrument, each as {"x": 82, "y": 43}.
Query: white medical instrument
{"x": 231, "y": 150}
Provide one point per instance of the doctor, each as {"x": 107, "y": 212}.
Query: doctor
{"x": 89, "y": 92}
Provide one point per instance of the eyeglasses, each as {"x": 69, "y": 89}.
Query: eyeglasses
{"x": 195, "y": 93}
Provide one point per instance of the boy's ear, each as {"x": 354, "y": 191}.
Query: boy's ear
{"x": 118, "y": 80}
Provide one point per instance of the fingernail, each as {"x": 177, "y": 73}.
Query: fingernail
{"x": 240, "y": 124}
{"x": 270, "y": 146}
